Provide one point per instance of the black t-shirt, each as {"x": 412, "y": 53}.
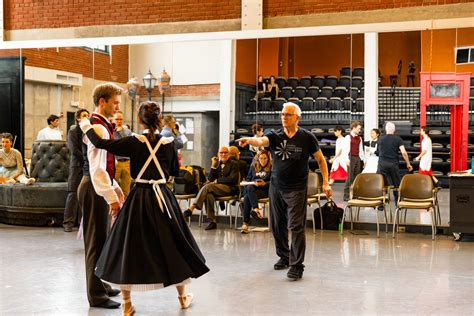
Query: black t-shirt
{"x": 388, "y": 147}
{"x": 290, "y": 158}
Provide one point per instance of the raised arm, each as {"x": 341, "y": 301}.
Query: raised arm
{"x": 120, "y": 147}
{"x": 254, "y": 141}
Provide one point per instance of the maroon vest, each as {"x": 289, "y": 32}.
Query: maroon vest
{"x": 97, "y": 119}
{"x": 355, "y": 143}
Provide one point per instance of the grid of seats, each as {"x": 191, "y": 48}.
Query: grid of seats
{"x": 317, "y": 93}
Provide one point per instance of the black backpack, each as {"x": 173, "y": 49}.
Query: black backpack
{"x": 189, "y": 180}
{"x": 332, "y": 216}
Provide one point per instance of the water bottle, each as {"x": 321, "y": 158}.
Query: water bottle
{"x": 472, "y": 165}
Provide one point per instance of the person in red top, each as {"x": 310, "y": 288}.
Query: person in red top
{"x": 354, "y": 146}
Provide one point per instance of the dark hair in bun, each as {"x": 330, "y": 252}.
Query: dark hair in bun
{"x": 150, "y": 114}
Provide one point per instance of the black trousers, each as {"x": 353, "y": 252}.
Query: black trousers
{"x": 392, "y": 173}
{"x": 72, "y": 212}
{"x": 288, "y": 212}
{"x": 95, "y": 212}
{"x": 355, "y": 167}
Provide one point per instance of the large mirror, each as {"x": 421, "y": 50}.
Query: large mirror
{"x": 218, "y": 89}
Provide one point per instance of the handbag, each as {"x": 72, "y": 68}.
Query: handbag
{"x": 332, "y": 216}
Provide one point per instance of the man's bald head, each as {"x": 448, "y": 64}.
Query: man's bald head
{"x": 389, "y": 128}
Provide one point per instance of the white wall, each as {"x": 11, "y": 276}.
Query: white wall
{"x": 187, "y": 63}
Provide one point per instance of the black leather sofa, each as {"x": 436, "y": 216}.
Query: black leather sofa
{"x": 43, "y": 202}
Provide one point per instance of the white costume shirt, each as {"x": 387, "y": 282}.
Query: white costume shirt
{"x": 343, "y": 159}
{"x": 425, "y": 161}
{"x": 98, "y": 163}
{"x": 347, "y": 147}
{"x": 49, "y": 133}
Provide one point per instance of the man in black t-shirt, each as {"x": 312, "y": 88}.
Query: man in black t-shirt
{"x": 291, "y": 148}
{"x": 387, "y": 150}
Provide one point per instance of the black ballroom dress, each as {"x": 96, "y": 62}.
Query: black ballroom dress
{"x": 150, "y": 245}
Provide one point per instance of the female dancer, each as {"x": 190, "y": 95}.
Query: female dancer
{"x": 340, "y": 161}
{"x": 260, "y": 173}
{"x": 371, "y": 158}
{"x": 149, "y": 246}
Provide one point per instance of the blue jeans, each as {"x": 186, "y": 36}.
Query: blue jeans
{"x": 251, "y": 196}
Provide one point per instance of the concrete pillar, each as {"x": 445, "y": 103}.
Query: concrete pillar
{"x": 371, "y": 87}
{"x": 227, "y": 92}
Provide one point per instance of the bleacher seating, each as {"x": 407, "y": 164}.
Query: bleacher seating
{"x": 326, "y": 92}
{"x": 278, "y": 104}
{"x": 345, "y": 81}
{"x": 358, "y": 72}
{"x": 320, "y": 103}
{"x": 313, "y": 92}
{"x": 293, "y": 82}
{"x": 300, "y": 92}
{"x": 340, "y": 92}
{"x": 281, "y": 82}
{"x": 345, "y": 71}
{"x": 331, "y": 81}
{"x": 305, "y": 81}
{"x": 307, "y": 104}
{"x": 317, "y": 81}
{"x": 286, "y": 92}
{"x": 357, "y": 82}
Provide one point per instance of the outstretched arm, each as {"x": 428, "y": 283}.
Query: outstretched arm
{"x": 254, "y": 141}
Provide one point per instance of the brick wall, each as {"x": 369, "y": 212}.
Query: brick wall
{"x": 31, "y": 14}
{"x": 197, "y": 90}
{"x": 303, "y": 7}
{"x": 79, "y": 60}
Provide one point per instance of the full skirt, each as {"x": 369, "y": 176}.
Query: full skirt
{"x": 146, "y": 249}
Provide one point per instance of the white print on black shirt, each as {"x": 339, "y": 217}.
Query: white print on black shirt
{"x": 286, "y": 151}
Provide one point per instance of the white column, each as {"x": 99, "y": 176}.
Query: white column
{"x": 371, "y": 86}
{"x": 227, "y": 92}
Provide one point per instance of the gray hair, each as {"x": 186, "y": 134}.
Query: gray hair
{"x": 295, "y": 106}
{"x": 390, "y": 128}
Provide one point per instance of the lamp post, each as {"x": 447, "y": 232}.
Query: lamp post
{"x": 132, "y": 90}
{"x": 149, "y": 82}
{"x": 164, "y": 85}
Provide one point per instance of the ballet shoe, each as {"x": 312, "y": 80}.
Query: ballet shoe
{"x": 130, "y": 310}
{"x": 185, "y": 300}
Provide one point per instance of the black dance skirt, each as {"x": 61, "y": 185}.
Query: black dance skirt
{"x": 146, "y": 249}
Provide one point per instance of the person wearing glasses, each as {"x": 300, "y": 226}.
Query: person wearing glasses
{"x": 291, "y": 148}
{"x": 223, "y": 181}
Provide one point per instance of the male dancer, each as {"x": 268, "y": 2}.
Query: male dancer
{"x": 99, "y": 194}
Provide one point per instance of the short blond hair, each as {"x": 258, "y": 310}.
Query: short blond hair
{"x": 105, "y": 91}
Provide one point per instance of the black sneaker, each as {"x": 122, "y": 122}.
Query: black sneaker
{"x": 281, "y": 264}
{"x": 211, "y": 226}
{"x": 295, "y": 273}
{"x": 222, "y": 205}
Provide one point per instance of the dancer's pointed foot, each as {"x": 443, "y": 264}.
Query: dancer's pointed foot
{"x": 128, "y": 309}
{"x": 185, "y": 300}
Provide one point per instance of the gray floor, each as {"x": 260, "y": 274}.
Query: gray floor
{"x": 42, "y": 273}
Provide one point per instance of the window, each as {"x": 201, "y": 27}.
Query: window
{"x": 464, "y": 55}
{"x": 105, "y": 49}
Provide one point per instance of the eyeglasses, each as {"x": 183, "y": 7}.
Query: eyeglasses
{"x": 287, "y": 114}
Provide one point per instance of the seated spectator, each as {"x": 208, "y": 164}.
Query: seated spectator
{"x": 272, "y": 89}
{"x": 223, "y": 181}
{"x": 234, "y": 154}
{"x": 260, "y": 173}
{"x": 11, "y": 163}
{"x": 261, "y": 85}
{"x": 50, "y": 132}
{"x": 257, "y": 131}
